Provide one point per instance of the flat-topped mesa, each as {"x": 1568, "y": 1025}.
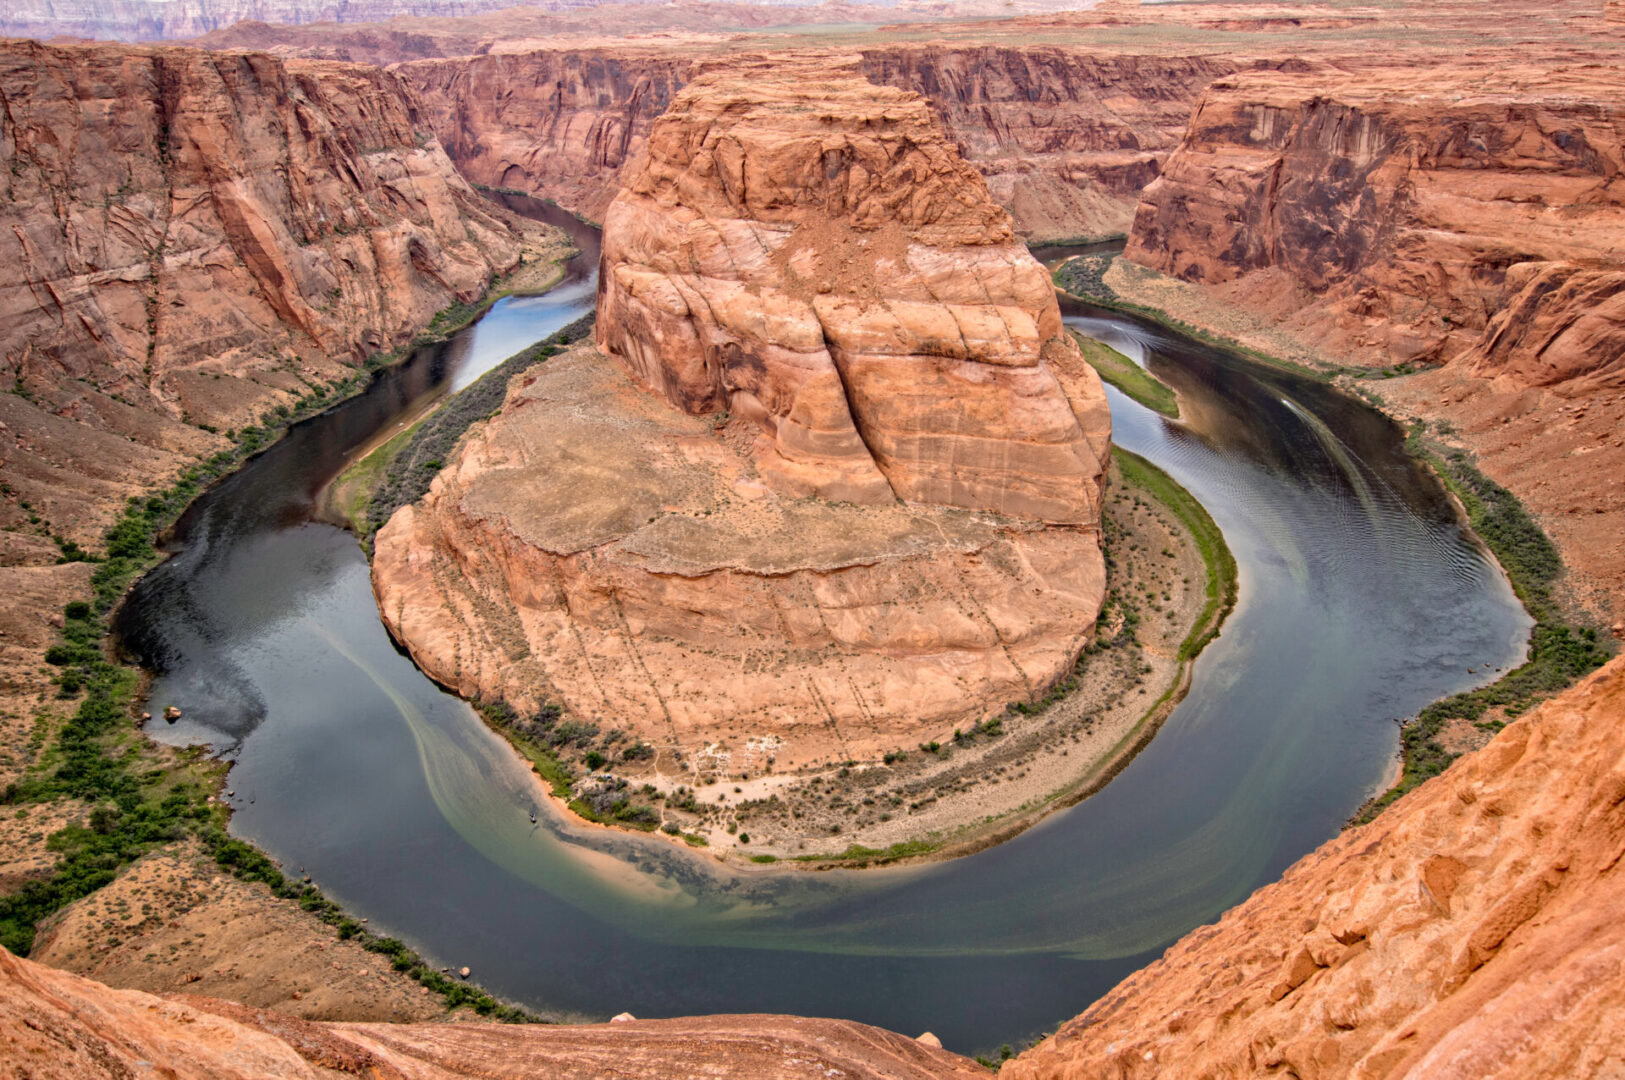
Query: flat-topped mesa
{"x": 808, "y": 250}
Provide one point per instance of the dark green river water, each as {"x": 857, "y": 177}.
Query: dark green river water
{"x": 1361, "y": 600}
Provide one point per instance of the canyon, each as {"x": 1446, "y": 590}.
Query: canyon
{"x": 828, "y": 484}
{"x": 1454, "y": 233}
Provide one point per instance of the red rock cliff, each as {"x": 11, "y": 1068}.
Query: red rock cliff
{"x": 1471, "y": 216}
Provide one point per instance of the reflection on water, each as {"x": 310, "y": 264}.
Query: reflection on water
{"x": 1360, "y": 602}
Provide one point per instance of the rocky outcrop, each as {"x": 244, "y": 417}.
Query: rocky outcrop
{"x": 1474, "y": 216}
{"x": 1065, "y": 137}
{"x": 1475, "y": 930}
{"x": 862, "y": 502}
{"x": 58, "y": 1026}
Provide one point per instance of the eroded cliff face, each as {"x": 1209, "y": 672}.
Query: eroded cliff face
{"x": 1469, "y": 216}
{"x": 1065, "y": 138}
{"x": 58, "y": 1026}
{"x": 562, "y": 124}
{"x": 1474, "y": 930}
{"x": 850, "y": 493}
{"x": 192, "y": 237}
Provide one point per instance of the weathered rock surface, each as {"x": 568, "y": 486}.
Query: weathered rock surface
{"x": 1475, "y": 930}
{"x": 846, "y": 283}
{"x": 1472, "y": 215}
{"x": 192, "y": 236}
{"x": 57, "y": 1025}
{"x": 863, "y": 500}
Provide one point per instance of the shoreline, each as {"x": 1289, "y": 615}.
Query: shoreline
{"x": 1561, "y": 648}
{"x": 105, "y": 721}
{"x": 963, "y": 822}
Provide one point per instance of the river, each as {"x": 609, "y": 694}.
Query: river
{"x": 1361, "y": 600}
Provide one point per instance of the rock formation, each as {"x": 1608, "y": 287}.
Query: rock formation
{"x": 1475, "y": 930}
{"x": 173, "y": 216}
{"x": 863, "y": 500}
{"x": 58, "y": 1026}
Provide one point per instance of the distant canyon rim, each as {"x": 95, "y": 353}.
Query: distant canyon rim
{"x": 201, "y": 237}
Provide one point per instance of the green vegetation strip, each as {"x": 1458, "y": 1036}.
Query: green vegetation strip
{"x": 404, "y": 476}
{"x": 1083, "y": 277}
{"x": 1221, "y": 564}
{"x": 1129, "y": 377}
{"x": 1559, "y": 653}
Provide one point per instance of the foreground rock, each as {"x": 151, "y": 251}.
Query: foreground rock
{"x": 860, "y": 505}
{"x": 1475, "y": 930}
{"x": 56, "y": 1025}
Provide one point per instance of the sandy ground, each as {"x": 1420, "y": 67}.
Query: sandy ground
{"x": 971, "y": 793}
{"x": 172, "y": 922}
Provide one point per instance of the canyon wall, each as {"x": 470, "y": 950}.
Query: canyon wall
{"x": 193, "y": 236}
{"x": 561, "y": 124}
{"x": 861, "y": 502}
{"x": 1476, "y": 930}
{"x": 1066, "y": 138}
{"x": 59, "y": 1026}
{"x": 1473, "y": 216}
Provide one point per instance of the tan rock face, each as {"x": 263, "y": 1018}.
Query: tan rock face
{"x": 1475, "y": 930}
{"x": 1397, "y": 217}
{"x": 58, "y": 1026}
{"x": 862, "y": 501}
{"x": 844, "y": 280}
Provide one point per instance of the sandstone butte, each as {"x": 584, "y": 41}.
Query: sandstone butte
{"x": 189, "y": 239}
{"x": 838, "y": 488}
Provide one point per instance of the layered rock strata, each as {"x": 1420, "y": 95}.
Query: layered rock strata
{"x": 58, "y": 1026}
{"x": 176, "y": 220}
{"x": 862, "y": 501}
{"x": 1475, "y": 930}
{"x": 1065, "y": 137}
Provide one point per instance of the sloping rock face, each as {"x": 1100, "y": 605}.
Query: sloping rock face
{"x": 845, "y": 282}
{"x": 1066, "y": 138}
{"x": 167, "y": 208}
{"x": 862, "y": 501}
{"x": 58, "y": 1026}
{"x": 1475, "y": 930}
{"x": 1401, "y": 218}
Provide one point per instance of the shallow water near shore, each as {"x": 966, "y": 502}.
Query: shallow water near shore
{"x": 1361, "y": 601}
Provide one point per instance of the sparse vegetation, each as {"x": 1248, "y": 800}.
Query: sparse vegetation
{"x": 1559, "y": 652}
{"x": 1127, "y": 376}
